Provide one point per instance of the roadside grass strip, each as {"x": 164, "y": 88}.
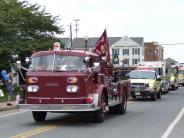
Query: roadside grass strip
{"x": 34, "y": 132}
{"x": 173, "y": 124}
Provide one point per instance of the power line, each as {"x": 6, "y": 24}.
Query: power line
{"x": 173, "y": 44}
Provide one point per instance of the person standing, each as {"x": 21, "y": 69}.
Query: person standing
{"x": 8, "y": 79}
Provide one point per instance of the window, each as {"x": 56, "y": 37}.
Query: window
{"x": 57, "y": 63}
{"x": 115, "y": 59}
{"x": 135, "y": 61}
{"x": 135, "y": 51}
{"x": 115, "y": 51}
{"x": 115, "y": 54}
{"x": 150, "y": 52}
{"x": 125, "y": 51}
{"x": 42, "y": 63}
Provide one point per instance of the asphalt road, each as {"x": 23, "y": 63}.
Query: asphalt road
{"x": 143, "y": 119}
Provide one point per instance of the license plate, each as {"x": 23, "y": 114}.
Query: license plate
{"x": 137, "y": 93}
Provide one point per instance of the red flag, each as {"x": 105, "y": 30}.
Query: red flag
{"x": 102, "y": 47}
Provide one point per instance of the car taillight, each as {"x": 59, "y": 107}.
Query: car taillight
{"x": 89, "y": 100}
{"x": 32, "y": 80}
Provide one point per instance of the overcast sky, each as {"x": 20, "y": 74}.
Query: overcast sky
{"x": 155, "y": 20}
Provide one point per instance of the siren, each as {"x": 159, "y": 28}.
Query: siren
{"x": 56, "y": 46}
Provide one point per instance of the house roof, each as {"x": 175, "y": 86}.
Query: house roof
{"x": 128, "y": 41}
{"x": 79, "y": 43}
{"x": 139, "y": 40}
{"x": 170, "y": 60}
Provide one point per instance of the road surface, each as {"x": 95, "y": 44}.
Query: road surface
{"x": 143, "y": 119}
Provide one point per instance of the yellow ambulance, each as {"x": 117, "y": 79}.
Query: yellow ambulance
{"x": 181, "y": 75}
{"x": 145, "y": 83}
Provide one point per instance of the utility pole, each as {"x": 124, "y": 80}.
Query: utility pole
{"x": 71, "y": 35}
{"x": 76, "y": 26}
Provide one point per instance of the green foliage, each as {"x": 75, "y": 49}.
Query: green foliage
{"x": 25, "y": 28}
{"x": 17, "y": 90}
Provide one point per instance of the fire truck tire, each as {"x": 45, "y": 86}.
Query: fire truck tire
{"x": 121, "y": 108}
{"x": 39, "y": 116}
{"x": 153, "y": 96}
{"x": 99, "y": 114}
{"x": 111, "y": 110}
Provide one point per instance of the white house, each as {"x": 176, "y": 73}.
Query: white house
{"x": 130, "y": 48}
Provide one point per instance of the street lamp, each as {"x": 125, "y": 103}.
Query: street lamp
{"x": 86, "y": 42}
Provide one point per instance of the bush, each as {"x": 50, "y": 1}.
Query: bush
{"x": 16, "y": 91}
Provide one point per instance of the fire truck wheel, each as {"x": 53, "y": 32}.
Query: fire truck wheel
{"x": 39, "y": 116}
{"x": 121, "y": 108}
{"x": 99, "y": 114}
{"x": 153, "y": 96}
{"x": 182, "y": 84}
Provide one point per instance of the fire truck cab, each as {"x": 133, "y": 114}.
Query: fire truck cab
{"x": 72, "y": 81}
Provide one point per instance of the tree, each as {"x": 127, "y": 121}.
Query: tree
{"x": 25, "y": 28}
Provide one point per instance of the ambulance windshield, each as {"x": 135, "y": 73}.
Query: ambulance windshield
{"x": 142, "y": 75}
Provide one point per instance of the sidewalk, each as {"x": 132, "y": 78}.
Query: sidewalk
{"x": 4, "y": 107}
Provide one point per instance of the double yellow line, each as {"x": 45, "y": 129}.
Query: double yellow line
{"x": 34, "y": 132}
{"x": 40, "y": 130}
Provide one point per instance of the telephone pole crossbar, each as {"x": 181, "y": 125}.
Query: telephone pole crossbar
{"x": 76, "y": 26}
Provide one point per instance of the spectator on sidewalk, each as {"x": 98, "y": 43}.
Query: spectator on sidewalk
{"x": 8, "y": 79}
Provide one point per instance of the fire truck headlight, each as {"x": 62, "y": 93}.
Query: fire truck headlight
{"x": 72, "y": 88}
{"x": 32, "y": 88}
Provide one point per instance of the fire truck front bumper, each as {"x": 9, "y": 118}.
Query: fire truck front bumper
{"x": 58, "y": 107}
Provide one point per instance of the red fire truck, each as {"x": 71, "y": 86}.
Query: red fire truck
{"x": 72, "y": 81}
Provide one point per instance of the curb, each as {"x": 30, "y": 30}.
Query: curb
{"x": 4, "y": 107}
{"x": 8, "y": 108}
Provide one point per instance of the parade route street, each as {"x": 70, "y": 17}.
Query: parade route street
{"x": 143, "y": 119}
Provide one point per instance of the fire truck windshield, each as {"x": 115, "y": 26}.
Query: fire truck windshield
{"x": 57, "y": 63}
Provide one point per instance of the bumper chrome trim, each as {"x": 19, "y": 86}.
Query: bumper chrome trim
{"x": 58, "y": 107}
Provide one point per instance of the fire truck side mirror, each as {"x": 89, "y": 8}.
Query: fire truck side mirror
{"x": 86, "y": 59}
{"x": 19, "y": 64}
{"x": 96, "y": 67}
{"x": 27, "y": 60}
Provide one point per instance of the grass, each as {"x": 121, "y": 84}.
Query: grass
{"x": 16, "y": 91}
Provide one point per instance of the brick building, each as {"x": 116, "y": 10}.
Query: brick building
{"x": 153, "y": 51}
